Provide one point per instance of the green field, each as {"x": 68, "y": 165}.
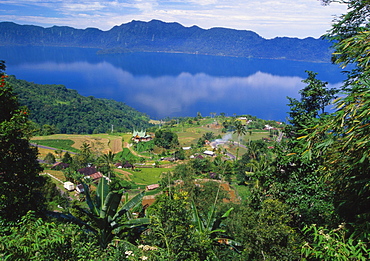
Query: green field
{"x": 58, "y": 144}
{"x": 147, "y": 176}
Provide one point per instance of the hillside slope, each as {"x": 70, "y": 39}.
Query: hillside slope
{"x": 71, "y": 112}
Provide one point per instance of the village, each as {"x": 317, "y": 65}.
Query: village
{"x": 145, "y": 168}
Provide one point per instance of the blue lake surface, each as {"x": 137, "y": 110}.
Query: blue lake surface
{"x": 168, "y": 85}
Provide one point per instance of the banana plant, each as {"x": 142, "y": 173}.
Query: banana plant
{"x": 106, "y": 215}
{"x": 209, "y": 227}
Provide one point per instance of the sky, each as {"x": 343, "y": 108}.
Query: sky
{"x": 268, "y": 18}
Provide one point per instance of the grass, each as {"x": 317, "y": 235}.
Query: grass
{"x": 127, "y": 155}
{"x": 58, "y": 144}
{"x": 56, "y": 173}
{"x": 242, "y": 191}
{"x": 100, "y": 142}
{"x": 147, "y": 176}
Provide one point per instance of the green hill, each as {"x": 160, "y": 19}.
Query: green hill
{"x": 70, "y": 112}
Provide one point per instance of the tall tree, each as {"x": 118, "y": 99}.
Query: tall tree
{"x": 296, "y": 180}
{"x": 342, "y": 138}
{"x": 166, "y": 139}
{"x": 240, "y": 131}
{"x": 19, "y": 168}
{"x": 314, "y": 98}
{"x": 107, "y": 161}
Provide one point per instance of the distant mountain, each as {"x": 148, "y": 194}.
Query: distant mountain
{"x": 158, "y": 36}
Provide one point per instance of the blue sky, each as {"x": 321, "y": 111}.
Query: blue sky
{"x": 268, "y": 18}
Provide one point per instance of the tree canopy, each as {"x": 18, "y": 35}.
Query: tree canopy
{"x": 56, "y": 109}
{"x": 19, "y": 168}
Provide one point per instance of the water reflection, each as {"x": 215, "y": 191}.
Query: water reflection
{"x": 160, "y": 89}
{"x": 260, "y": 94}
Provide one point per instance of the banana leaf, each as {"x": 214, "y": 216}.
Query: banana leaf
{"x": 110, "y": 205}
{"x": 101, "y": 192}
{"x": 89, "y": 201}
{"x": 129, "y": 205}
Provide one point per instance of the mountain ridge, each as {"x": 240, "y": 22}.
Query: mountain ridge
{"x": 159, "y": 36}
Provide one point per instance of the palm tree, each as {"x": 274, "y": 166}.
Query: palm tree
{"x": 108, "y": 161}
{"x": 59, "y": 153}
{"x": 259, "y": 168}
{"x": 239, "y": 130}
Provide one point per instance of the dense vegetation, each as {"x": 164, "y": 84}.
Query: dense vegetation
{"x": 158, "y": 36}
{"x": 305, "y": 194}
{"x": 56, "y": 109}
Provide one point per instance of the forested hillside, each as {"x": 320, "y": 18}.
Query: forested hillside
{"x": 54, "y": 108}
{"x": 158, "y": 36}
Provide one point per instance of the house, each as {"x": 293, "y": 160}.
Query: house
{"x": 118, "y": 165}
{"x": 96, "y": 176}
{"x": 153, "y": 186}
{"x": 59, "y": 166}
{"x": 128, "y": 165}
{"x": 80, "y": 188}
{"x": 268, "y": 127}
{"x": 209, "y": 153}
{"x": 138, "y": 136}
{"x": 69, "y": 186}
{"x": 171, "y": 159}
{"x": 90, "y": 172}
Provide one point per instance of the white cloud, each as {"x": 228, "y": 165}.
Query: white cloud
{"x": 81, "y": 7}
{"x": 298, "y": 18}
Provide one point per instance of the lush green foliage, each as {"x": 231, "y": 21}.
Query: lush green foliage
{"x": 49, "y": 158}
{"x": 126, "y": 155}
{"x": 34, "y": 239}
{"x": 341, "y": 139}
{"x": 19, "y": 168}
{"x": 335, "y": 245}
{"x": 68, "y": 112}
{"x": 265, "y": 234}
{"x": 144, "y": 146}
{"x": 105, "y": 214}
{"x": 166, "y": 139}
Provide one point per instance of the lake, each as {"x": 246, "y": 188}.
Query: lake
{"x": 169, "y": 85}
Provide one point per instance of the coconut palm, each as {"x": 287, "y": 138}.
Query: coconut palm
{"x": 108, "y": 161}
{"x": 239, "y": 130}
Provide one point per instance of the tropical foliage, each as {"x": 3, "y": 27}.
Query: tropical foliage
{"x": 56, "y": 109}
{"x": 106, "y": 215}
{"x": 19, "y": 168}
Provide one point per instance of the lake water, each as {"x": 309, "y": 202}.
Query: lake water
{"x": 168, "y": 85}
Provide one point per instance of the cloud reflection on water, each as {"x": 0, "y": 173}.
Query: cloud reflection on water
{"x": 261, "y": 94}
